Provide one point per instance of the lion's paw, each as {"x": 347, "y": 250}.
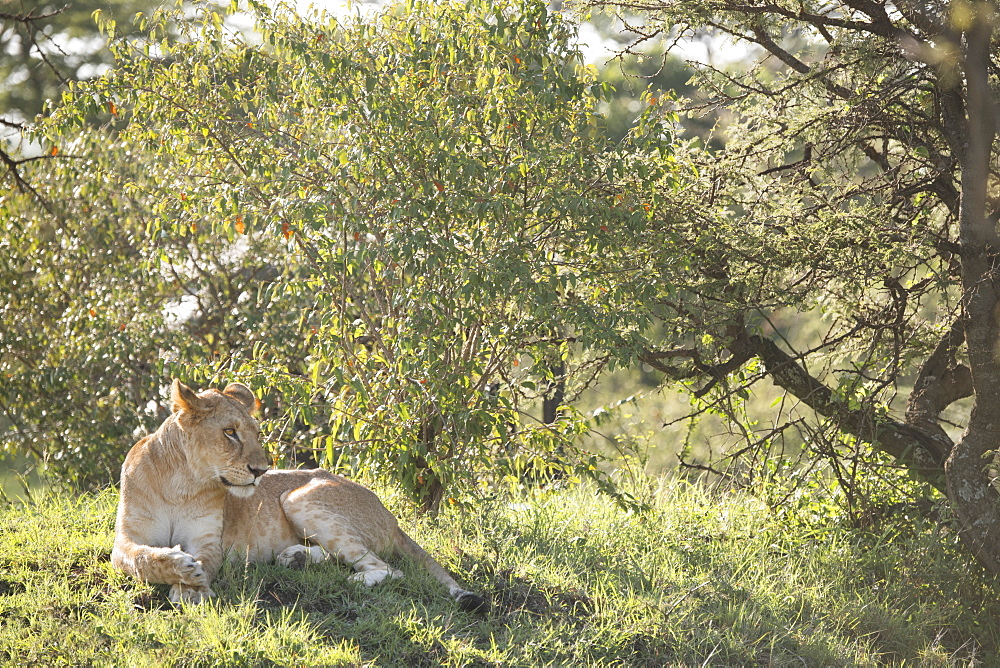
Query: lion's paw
{"x": 300, "y": 556}
{"x": 182, "y": 594}
{"x": 374, "y": 576}
{"x": 296, "y": 557}
{"x": 187, "y": 568}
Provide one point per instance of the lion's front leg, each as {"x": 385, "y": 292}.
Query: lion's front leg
{"x": 194, "y": 587}
{"x": 160, "y": 565}
{"x": 184, "y": 594}
{"x": 205, "y": 551}
{"x": 189, "y": 567}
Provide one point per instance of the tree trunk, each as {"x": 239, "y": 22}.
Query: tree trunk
{"x": 555, "y": 393}
{"x": 429, "y": 488}
{"x": 973, "y": 497}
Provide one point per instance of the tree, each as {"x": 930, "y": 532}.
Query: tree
{"x": 858, "y": 180}
{"x": 426, "y": 193}
{"x": 82, "y": 323}
{"x": 95, "y": 323}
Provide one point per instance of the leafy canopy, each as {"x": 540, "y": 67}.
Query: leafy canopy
{"x": 397, "y": 226}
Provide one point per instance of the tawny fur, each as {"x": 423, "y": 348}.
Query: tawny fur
{"x": 198, "y": 490}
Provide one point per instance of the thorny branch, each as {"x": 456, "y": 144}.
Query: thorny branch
{"x": 11, "y": 164}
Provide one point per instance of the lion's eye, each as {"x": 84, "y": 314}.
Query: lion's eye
{"x": 231, "y": 433}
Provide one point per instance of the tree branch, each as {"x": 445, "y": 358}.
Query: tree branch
{"x": 762, "y": 38}
{"x": 23, "y": 186}
{"x": 910, "y": 446}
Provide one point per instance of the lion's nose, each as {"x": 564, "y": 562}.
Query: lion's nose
{"x": 256, "y": 471}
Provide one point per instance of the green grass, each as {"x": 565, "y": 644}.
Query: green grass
{"x": 700, "y": 579}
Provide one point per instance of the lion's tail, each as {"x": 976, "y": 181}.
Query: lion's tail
{"x": 466, "y": 599}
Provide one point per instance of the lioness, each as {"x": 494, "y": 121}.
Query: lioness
{"x": 199, "y": 489}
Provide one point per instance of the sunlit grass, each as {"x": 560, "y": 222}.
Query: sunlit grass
{"x": 574, "y": 580}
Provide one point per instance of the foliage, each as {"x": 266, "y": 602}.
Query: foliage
{"x": 573, "y": 579}
{"x": 46, "y": 46}
{"x": 77, "y": 346}
{"x": 93, "y": 328}
{"x": 856, "y": 184}
{"x": 399, "y": 229}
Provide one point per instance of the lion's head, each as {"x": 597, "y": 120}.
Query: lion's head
{"x": 223, "y": 437}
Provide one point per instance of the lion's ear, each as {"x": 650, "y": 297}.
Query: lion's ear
{"x": 242, "y": 394}
{"x": 184, "y": 398}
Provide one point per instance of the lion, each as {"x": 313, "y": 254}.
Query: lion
{"x": 199, "y": 490}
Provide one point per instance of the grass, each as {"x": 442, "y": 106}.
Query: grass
{"x": 699, "y": 579}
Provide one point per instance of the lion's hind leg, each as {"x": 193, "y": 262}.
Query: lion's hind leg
{"x": 348, "y": 549}
{"x": 311, "y": 510}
